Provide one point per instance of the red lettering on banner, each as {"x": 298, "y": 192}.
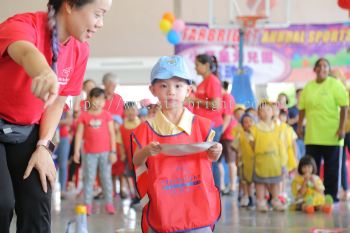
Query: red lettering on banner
{"x": 224, "y": 56}
{"x": 221, "y": 35}
{"x": 267, "y": 57}
{"x": 192, "y": 36}
{"x": 252, "y": 57}
{"x": 211, "y": 35}
{"x": 202, "y": 34}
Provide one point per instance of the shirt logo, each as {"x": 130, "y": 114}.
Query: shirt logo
{"x": 95, "y": 123}
{"x": 63, "y": 78}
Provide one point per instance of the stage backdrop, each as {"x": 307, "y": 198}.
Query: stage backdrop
{"x": 275, "y": 55}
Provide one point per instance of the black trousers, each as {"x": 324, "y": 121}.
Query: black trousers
{"x": 26, "y": 197}
{"x": 330, "y": 156}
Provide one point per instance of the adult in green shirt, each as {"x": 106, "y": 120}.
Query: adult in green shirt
{"x": 324, "y": 102}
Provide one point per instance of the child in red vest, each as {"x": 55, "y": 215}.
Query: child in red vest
{"x": 130, "y": 122}
{"x": 96, "y": 128}
{"x": 177, "y": 193}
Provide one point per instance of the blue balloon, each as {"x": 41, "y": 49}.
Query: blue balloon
{"x": 173, "y": 37}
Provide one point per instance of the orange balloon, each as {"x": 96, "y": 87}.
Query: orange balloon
{"x": 169, "y": 16}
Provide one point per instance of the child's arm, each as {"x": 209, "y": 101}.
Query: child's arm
{"x": 215, "y": 151}
{"x": 113, "y": 153}
{"x": 78, "y": 140}
{"x": 141, "y": 155}
{"x": 317, "y": 183}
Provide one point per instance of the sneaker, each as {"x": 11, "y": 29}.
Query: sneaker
{"x": 251, "y": 202}
{"x": 261, "y": 206}
{"x": 135, "y": 201}
{"x": 278, "y": 205}
{"x": 88, "y": 210}
{"x": 110, "y": 208}
{"x": 244, "y": 202}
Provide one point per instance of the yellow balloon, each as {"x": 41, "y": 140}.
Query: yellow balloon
{"x": 165, "y": 25}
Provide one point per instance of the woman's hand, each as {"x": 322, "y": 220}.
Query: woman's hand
{"x": 215, "y": 151}
{"x": 340, "y": 134}
{"x": 42, "y": 161}
{"x": 45, "y": 87}
{"x": 300, "y": 132}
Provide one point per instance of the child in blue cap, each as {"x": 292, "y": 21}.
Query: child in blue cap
{"x": 178, "y": 193}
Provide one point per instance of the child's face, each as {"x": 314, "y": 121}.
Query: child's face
{"x": 283, "y": 118}
{"x": 97, "y": 103}
{"x": 247, "y": 123}
{"x": 307, "y": 170}
{"x": 89, "y": 86}
{"x": 265, "y": 112}
{"x": 171, "y": 93}
{"x": 131, "y": 113}
{"x": 238, "y": 114}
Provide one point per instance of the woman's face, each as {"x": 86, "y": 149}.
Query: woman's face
{"x": 322, "y": 69}
{"x": 83, "y": 22}
{"x": 201, "y": 69}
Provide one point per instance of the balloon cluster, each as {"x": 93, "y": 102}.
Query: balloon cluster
{"x": 172, "y": 27}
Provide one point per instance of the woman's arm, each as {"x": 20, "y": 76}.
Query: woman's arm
{"x": 300, "y": 123}
{"x": 227, "y": 121}
{"x": 44, "y": 84}
{"x": 41, "y": 158}
{"x": 342, "y": 115}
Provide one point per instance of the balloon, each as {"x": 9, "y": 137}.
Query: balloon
{"x": 165, "y": 25}
{"x": 169, "y": 16}
{"x": 173, "y": 37}
{"x": 179, "y": 25}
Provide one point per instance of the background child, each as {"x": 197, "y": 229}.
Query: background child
{"x": 246, "y": 159}
{"x": 96, "y": 128}
{"x": 307, "y": 184}
{"x": 175, "y": 184}
{"x": 269, "y": 157}
{"x": 130, "y": 123}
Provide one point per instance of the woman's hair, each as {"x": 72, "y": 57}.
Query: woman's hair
{"x": 96, "y": 92}
{"x": 87, "y": 81}
{"x": 225, "y": 85}
{"x": 317, "y": 63}
{"x": 307, "y": 161}
{"x": 53, "y": 7}
{"x": 211, "y": 60}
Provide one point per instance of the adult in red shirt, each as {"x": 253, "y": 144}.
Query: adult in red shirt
{"x": 114, "y": 103}
{"x": 228, "y": 105}
{"x": 43, "y": 58}
{"x": 207, "y": 101}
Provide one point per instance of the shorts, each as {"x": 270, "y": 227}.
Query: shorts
{"x": 228, "y": 151}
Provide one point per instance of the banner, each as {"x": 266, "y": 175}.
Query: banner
{"x": 275, "y": 55}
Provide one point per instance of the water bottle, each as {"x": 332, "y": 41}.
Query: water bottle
{"x": 80, "y": 219}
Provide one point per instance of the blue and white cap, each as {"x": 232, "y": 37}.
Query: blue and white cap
{"x": 169, "y": 67}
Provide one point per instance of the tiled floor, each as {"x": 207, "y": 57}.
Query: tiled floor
{"x": 233, "y": 219}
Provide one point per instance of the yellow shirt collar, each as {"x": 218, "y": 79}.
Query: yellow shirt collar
{"x": 164, "y": 127}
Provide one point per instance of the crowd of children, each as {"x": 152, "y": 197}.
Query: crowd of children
{"x": 259, "y": 146}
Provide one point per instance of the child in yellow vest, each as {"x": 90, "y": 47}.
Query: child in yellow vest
{"x": 270, "y": 157}
{"x": 246, "y": 159}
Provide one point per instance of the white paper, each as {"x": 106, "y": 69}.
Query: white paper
{"x": 184, "y": 149}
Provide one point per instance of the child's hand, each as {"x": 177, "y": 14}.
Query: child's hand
{"x": 76, "y": 158}
{"x": 112, "y": 157}
{"x": 153, "y": 148}
{"x": 215, "y": 151}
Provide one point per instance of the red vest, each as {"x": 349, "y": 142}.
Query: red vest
{"x": 125, "y": 134}
{"x": 178, "y": 192}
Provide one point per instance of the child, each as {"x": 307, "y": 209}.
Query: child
{"x": 269, "y": 157}
{"x": 96, "y": 127}
{"x": 180, "y": 189}
{"x": 246, "y": 159}
{"x": 130, "y": 123}
{"x": 308, "y": 185}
